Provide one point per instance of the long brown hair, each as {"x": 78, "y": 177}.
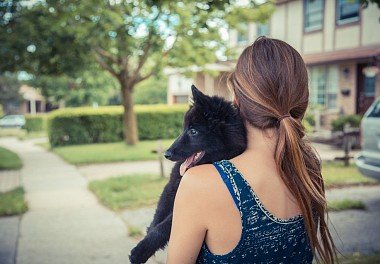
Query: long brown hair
{"x": 270, "y": 83}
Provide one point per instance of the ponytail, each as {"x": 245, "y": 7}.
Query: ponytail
{"x": 300, "y": 170}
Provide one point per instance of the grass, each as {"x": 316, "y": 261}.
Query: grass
{"x": 9, "y": 160}
{"x": 358, "y": 258}
{"x": 128, "y": 192}
{"x": 347, "y": 204}
{"x": 336, "y": 174}
{"x": 110, "y": 152}
{"x": 12, "y": 202}
{"x": 134, "y": 231}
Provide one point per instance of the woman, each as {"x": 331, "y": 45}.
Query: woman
{"x": 268, "y": 204}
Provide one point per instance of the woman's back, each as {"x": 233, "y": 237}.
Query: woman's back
{"x": 245, "y": 231}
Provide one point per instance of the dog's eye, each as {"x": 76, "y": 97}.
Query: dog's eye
{"x": 193, "y": 132}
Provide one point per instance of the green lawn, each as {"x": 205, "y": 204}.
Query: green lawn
{"x": 340, "y": 205}
{"x": 110, "y": 152}
{"x": 12, "y": 202}
{"x": 9, "y": 160}
{"x": 128, "y": 192}
{"x": 336, "y": 175}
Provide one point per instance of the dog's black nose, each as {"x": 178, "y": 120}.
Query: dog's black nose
{"x": 168, "y": 154}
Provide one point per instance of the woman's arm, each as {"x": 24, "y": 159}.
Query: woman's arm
{"x": 188, "y": 228}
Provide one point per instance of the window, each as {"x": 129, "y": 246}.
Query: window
{"x": 347, "y": 11}
{"x": 324, "y": 81}
{"x": 262, "y": 29}
{"x": 369, "y": 86}
{"x": 242, "y": 34}
{"x": 313, "y": 16}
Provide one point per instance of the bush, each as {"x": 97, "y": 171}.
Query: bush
{"x": 339, "y": 123}
{"x": 307, "y": 126}
{"x": 35, "y": 123}
{"x": 83, "y": 125}
{"x": 309, "y": 117}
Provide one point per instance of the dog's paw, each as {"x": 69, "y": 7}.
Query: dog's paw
{"x": 138, "y": 255}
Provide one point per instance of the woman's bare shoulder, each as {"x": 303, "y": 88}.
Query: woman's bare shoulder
{"x": 201, "y": 176}
{"x": 199, "y": 182}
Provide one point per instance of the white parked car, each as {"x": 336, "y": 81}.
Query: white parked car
{"x": 368, "y": 160}
{"x": 12, "y": 121}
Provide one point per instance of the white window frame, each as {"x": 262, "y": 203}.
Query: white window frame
{"x": 340, "y": 21}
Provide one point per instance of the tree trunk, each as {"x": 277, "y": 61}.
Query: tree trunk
{"x": 129, "y": 117}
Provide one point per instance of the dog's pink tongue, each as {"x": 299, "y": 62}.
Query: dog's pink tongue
{"x": 185, "y": 165}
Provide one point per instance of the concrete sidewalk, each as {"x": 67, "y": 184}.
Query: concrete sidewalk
{"x": 356, "y": 230}
{"x": 65, "y": 223}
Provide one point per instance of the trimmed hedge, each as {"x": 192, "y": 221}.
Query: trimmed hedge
{"x": 84, "y": 125}
{"x": 35, "y": 122}
{"x": 339, "y": 123}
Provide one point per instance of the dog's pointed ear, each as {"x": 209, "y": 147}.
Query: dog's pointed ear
{"x": 198, "y": 96}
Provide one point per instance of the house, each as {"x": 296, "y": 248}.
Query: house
{"x": 32, "y": 101}
{"x": 339, "y": 42}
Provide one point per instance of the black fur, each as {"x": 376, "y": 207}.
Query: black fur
{"x": 220, "y": 132}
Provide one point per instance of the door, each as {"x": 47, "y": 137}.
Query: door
{"x": 366, "y": 90}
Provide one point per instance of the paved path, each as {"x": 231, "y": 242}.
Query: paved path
{"x": 65, "y": 223}
{"x": 9, "y": 232}
{"x": 357, "y": 230}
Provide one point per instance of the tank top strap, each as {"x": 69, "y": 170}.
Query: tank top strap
{"x": 234, "y": 182}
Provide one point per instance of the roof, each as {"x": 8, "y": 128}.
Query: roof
{"x": 342, "y": 55}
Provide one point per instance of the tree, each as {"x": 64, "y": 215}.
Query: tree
{"x": 89, "y": 87}
{"x": 132, "y": 40}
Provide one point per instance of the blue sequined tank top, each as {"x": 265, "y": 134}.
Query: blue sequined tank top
{"x": 265, "y": 238}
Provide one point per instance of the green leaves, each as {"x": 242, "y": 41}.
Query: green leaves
{"x": 137, "y": 38}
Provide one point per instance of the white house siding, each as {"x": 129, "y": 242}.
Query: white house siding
{"x": 312, "y": 42}
{"x": 328, "y": 28}
{"x": 347, "y": 37}
{"x": 370, "y": 26}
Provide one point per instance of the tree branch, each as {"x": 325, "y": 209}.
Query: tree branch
{"x": 105, "y": 54}
{"x": 144, "y": 56}
{"x": 105, "y": 66}
{"x": 146, "y": 49}
{"x": 142, "y": 78}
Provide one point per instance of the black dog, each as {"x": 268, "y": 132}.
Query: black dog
{"x": 213, "y": 130}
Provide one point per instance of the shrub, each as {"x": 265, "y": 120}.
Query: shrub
{"x": 307, "y": 126}
{"x": 82, "y": 125}
{"x": 339, "y": 123}
{"x": 35, "y": 122}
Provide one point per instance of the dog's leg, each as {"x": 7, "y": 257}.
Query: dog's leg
{"x": 156, "y": 239}
{"x": 164, "y": 206}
